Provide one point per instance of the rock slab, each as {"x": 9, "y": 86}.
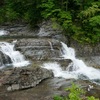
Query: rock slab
{"x": 23, "y": 78}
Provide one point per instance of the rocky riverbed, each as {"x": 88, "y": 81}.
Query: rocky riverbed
{"x": 47, "y": 89}
{"x": 39, "y": 46}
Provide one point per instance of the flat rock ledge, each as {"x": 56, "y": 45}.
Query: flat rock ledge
{"x": 23, "y": 78}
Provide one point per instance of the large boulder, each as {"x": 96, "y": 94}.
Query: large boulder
{"x": 22, "y": 78}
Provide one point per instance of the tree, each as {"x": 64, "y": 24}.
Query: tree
{"x": 79, "y": 18}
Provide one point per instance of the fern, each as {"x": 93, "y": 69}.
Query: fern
{"x": 91, "y": 11}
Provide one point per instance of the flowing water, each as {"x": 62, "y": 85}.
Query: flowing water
{"x": 77, "y": 69}
{"x": 16, "y": 57}
{"x": 51, "y": 46}
{"x": 3, "y": 32}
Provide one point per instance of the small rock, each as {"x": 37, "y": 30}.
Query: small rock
{"x": 9, "y": 88}
{"x": 15, "y": 86}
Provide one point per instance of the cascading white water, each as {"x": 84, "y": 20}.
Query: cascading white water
{"x": 58, "y": 72}
{"x": 76, "y": 69}
{"x": 51, "y": 45}
{"x": 16, "y": 57}
{"x": 3, "y": 32}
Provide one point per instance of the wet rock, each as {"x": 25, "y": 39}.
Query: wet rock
{"x": 19, "y": 30}
{"x": 64, "y": 63}
{"x": 85, "y": 50}
{"x": 4, "y": 74}
{"x": 93, "y": 61}
{"x": 4, "y": 60}
{"x": 26, "y": 78}
{"x": 39, "y": 49}
{"x": 48, "y": 29}
{"x": 90, "y": 54}
{"x": 50, "y": 88}
{"x": 51, "y": 29}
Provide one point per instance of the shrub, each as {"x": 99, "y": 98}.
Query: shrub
{"x": 76, "y": 93}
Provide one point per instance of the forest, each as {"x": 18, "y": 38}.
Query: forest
{"x": 80, "y": 19}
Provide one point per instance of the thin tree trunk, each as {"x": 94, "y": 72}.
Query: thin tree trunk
{"x": 61, "y": 4}
{"x": 66, "y": 5}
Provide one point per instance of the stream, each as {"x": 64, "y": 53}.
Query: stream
{"x": 25, "y": 52}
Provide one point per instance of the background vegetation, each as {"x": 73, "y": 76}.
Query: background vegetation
{"x": 75, "y": 93}
{"x": 80, "y": 19}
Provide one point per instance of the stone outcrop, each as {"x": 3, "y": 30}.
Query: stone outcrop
{"x": 39, "y": 49}
{"x": 19, "y": 30}
{"x": 49, "y": 29}
{"x": 22, "y": 78}
{"x": 52, "y": 30}
{"x": 85, "y": 50}
{"x": 93, "y": 61}
{"x": 46, "y": 29}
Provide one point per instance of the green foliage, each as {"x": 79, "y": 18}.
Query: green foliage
{"x": 80, "y": 22}
{"x": 49, "y": 8}
{"x": 90, "y": 23}
{"x": 65, "y": 20}
{"x": 58, "y": 98}
{"x": 76, "y": 93}
{"x": 80, "y": 19}
{"x": 91, "y": 11}
{"x": 2, "y": 14}
{"x": 91, "y": 98}
{"x": 95, "y": 21}
{"x": 11, "y": 14}
{"x": 22, "y": 10}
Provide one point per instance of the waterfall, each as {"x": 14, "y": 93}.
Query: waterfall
{"x": 77, "y": 69}
{"x": 3, "y": 32}
{"x": 78, "y": 66}
{"x": 16, "y": 57}
{"x": 51, "y": 45}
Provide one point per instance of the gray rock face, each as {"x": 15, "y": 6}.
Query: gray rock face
{"x": 19, "y": 30}
{"x": 39, "y": 49}
{"x": 26, "y": 78}
{"x": 93, "y": 61}
{"x": 85, "y": 50}
{"x": 47, "y": 29}
{"x": 4, "y": 59}
{"x": 52, "y": 30}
